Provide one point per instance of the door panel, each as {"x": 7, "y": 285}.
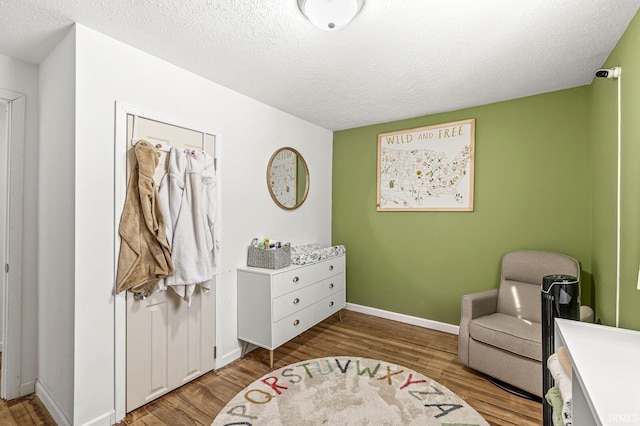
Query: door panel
{"x": 169, "y": 342}
{"x": 147, "y": 349}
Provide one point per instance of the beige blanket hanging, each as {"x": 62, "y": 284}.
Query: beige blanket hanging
{"x": 145, "y": 255}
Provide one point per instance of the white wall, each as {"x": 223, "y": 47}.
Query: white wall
{"x": 18, "y": 76}
{"x": 4, "y": 160}
{"x": 109, "y": 71}
{"x": 56, "y": 230}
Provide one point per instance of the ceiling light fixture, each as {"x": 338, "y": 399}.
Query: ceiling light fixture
{"x": 330, "y": 15}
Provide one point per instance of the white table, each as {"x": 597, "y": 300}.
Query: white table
{"x": 606, "y": 372}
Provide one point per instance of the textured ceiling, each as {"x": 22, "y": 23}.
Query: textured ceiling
{"x": 397, "y": 59}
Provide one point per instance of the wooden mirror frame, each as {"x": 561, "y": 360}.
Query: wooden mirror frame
{"x": 299, "y": 160}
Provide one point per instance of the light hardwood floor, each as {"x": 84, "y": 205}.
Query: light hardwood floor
{"x": 432, "y": 353}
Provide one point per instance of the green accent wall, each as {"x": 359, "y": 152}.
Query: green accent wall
{"x": 604, "y": 131}
{"x": 532, "y": 191}
{"x": 545, "y": 178}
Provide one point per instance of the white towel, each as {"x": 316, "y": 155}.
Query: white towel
{"x": 188, "y": 193}
{"x": 170, "y": 193}
{"x": 563, "y": 382}
{"x": 210, "y": 194}
{"x": 172, "y": 188}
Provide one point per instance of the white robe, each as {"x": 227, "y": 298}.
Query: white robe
{"x": 188, "y": 194}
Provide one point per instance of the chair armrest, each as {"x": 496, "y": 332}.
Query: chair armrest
{"x": 586, "y": 313}
{"x": 474, "y": 305}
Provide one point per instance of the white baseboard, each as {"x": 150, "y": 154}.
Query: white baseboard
{"x": 51, "y": 405}
{"x": 227, "y": 358}
{"x": 106, "y": 419}
{"x": 407, "y": 319}
{"x": 27, "y": 388}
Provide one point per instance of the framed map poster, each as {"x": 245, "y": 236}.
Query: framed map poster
{"x": 282, "y": 176}
{"x": 427, "y": 168}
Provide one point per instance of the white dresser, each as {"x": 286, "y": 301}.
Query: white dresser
{"x": 276, "y": 305}
{"x": 605, "y": 378}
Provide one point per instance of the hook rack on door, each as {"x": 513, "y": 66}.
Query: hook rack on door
{"x": 159, "y": 146}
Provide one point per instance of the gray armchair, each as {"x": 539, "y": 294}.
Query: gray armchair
{"x": 500, "y": 329}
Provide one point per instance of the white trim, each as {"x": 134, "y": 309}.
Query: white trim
{"x": 51, "y": 405}
{"x": 618, "y": 192}
{"x": 12, "y": 297}
{"x": 120, "y": 303}
{"x": 28, "y": 388}
{"x": 407, "y": 319}
{"x": 107, "y": 419}
{"x": 228, "y": 358}
{"x": 120, "y": 190}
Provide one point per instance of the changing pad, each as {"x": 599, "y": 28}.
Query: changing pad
{"x": 311, "y": 253}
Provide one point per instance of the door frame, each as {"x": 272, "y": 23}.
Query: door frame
{"x": 12, "y": 247}
{"x": 122, "y": 145}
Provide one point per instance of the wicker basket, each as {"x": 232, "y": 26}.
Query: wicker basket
{"x": 269, "y": 258}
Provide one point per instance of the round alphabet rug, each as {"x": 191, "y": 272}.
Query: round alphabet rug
{"x": 346, "y": 391}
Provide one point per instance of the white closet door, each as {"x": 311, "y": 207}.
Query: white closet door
{"x": 169, "y": 343}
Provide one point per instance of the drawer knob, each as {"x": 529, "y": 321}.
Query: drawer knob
{"x": 331, "y": 267}
{"x": 296, "y": 301}
{"x": 331, "y": 303}
{"x": 296, "y": 279}
{"x": 296, "y": 322}
{"x": 331, "y": 285}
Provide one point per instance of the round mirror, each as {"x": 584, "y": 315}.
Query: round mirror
{"x": 288, "y": 178}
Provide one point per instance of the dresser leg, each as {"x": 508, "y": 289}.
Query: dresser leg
{"x": 340, "y": 315}
{"x": 244, "y": 349}
{"x": 271, "y": 359}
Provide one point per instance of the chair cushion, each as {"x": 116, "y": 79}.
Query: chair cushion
{"x": 521, "y": 278}
{"x": 529, "y": 266}
{"x": 509, "y": 333}
{"x": 520, "y": 300}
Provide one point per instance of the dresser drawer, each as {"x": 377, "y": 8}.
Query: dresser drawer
{"x": 300, "y": 277}
{"x": 296, "y": 300}
{"x": 300, "y": 321}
